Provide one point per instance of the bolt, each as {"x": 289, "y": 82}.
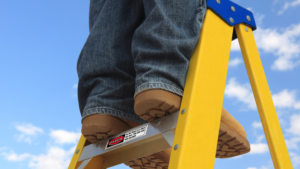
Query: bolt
{"x": 231, "y": 20}
{"x": 218, "y": 1}
{"x": 248, "y": 18}
{"x": 246, "y": 29}
{"x": 233, "y": 9}
{"x": 176, "y": 147}
{"x": 157, "y": 122}
{"x": 77, "y": 151}
{"x": 183, "y": 111}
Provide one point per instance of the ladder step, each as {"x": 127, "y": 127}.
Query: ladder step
{"x": 151, "y": 138}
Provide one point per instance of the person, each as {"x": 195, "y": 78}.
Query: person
{"x": 133, "y": 66}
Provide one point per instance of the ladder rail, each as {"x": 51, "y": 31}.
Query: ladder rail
{"x": 263, "y": 98}
{"x": 203, "y": 97}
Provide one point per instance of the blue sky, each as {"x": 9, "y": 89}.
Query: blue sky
{"x": 40, "y": 120}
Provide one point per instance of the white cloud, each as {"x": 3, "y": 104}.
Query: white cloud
{"x": 260, "y": 138}
{"x": 29, "y": 129}
{"x": 242, "y": 93}
{"x": 295, "y": 125}
{"x": 12, "y": 156}
{"x": 269, "y": 166}
{"x": 235, "y": 62}
{"x": 297, "y": 105}
{"x": 295, "y": 158}
{"x": 56, "y": 157}
{"x": 3, "y": 148}
{"x": 27, "y": 132}
{"x": 259, "y": 148}
{"x": 266, "y": 167}
{"x": 256, "y": 124}
{"x": 259, "y": 18}
{"x": 284, "y": 44}
{"x": 235, "y": 46}
{"x": 286, "y": 99}
{"x": 75, "y": 86}
{"x": 65, "y": 137}
{"x": 292, "y": 143}
{"x": 287, "y": 5}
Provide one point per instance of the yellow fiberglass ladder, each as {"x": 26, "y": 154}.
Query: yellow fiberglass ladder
{"x": 204, "y": 92}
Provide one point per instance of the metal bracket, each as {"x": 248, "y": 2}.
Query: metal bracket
{"x": 232, "y": 13}
{"x": 169, "y": 136}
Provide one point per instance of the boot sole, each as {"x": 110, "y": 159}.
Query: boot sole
{"x": 230, "y": 142}
{"x": 156, "y": 161}
{"x": 149, "y": 107}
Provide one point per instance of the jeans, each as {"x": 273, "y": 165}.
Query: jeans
{"x": 133, "y": 46}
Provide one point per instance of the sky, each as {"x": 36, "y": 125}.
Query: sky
{"x": 40, "y": 42}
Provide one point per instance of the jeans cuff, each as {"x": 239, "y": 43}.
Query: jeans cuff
{"x": 112, "y": 112}
{"x": 164, "y": 86}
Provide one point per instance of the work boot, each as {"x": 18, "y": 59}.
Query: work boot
{"x": 153, "y": 104}
{"x": 100, "y": 126}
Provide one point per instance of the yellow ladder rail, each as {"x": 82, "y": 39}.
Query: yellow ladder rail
{"x": 263, "y": 98}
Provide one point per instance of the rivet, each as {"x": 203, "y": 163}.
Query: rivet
{"x": 231, "y": 20}
{"x": 248, "y": 18}
{"x": 233, "y": 9}
{"x": 77, "y": 151}
{"x": 157, "y": 122}
{"x": 218, "y": 1}
{"x": 183, "y": 111}
{"x": 176, "y": 147}
{"x": 246, "y": 29}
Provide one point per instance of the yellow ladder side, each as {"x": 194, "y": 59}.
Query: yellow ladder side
{"x": 92, "y": 163}
{"x": 263, "y": 98}
{"x": 197, "y": 129}
{"x": 77, "y": 153}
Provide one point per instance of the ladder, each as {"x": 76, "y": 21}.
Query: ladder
{"x": 204, "y": 92}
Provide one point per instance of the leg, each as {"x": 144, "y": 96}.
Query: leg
{"x": 163, "y": 44}
{"x": 105, "y": 65}
{"x": 162, "y": 47}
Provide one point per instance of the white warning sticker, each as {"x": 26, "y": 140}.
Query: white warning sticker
{"x": 123, "y": 138}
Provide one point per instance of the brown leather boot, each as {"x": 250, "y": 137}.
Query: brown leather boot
{"x": 152, "y": 104}
{"x": 100, "y": 126}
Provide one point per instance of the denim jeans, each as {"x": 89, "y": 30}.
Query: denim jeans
{"x": 133, "y": 46}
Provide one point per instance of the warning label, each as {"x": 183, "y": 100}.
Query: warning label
{"x": 131, "y": 135}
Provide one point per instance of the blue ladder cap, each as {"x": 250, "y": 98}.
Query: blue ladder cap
{"x": 224, "y": 9}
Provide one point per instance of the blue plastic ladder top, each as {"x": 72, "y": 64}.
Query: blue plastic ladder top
{"x": 232, "y": 13}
